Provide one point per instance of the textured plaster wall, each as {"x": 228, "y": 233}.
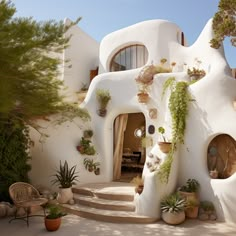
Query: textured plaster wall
{"x": 211, "y": 114}
{"x": 82, "y": 56}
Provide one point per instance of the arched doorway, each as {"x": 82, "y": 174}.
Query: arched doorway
{"x": 129, "y": 154}
{"x": 221, "y": 157}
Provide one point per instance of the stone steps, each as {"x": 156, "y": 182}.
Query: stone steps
{"x": 105, "y": 204}
{"x": 107, "y": 215}
{"x": 110, "y": 202}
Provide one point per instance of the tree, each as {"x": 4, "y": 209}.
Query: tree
{"x": 29, "y": 87}
{"x": 224, "y": 23}
{"x": 30, "y": 66}
{"x": 14, "y": 156}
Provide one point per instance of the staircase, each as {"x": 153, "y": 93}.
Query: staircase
{"x": 110, "y": 202}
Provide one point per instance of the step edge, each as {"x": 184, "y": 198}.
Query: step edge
{"x": 113, "y": 218}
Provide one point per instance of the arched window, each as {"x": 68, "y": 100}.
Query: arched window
{"x": 130, "y": 57}
{"x": 221, "y": 157}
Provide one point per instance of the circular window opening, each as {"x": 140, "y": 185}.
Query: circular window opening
{"x": 221, "y": 157}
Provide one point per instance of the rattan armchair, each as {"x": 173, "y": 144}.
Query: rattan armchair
{"x": 26, "y": 196}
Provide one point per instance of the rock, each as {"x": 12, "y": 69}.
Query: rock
{"x": 201, "y": 211}
{"x": 20, "y": 212}
{"x": 11, "y": 210}
{"x": 203, "y": 216}
{"x": 212, "y": 216}
{"x": 71, "y": 202}
{"x": 3, "y": 210}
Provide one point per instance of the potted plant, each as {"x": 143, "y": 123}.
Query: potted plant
{"x": 191, "y": 209}
{"x": 207, "y": 207}
{"x": 190, "y": 190}
{"x": 143, "y": 92}
{"x": 164, "y": 145}
{"x": 172, "y": 208}
{"x": 88, "y": 134}
{"x": 144, "y": 82}
{"x": 53, "y": 216}
{"x": 207, "y": 211}
{"x": 103, "y": 97}
{"x": 65, "y": 177}
{"x": 92, "y": 166}
{"x": 85, "y": 147}
{"x": 139, "y": 184}
{"x": 195, "y": 73}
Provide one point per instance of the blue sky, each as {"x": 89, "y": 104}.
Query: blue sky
{"x": 101, "y": 17}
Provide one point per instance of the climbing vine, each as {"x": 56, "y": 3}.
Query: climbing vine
{"x": 178, "y": 106}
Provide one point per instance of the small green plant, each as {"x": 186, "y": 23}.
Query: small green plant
{"x": 84, "y": 87}
{"x": 207, "y": 206}
{"x": 173, "y": 203}
{"x": 191, "y": 186}
{"x": 88, "y": 133}
{"x": 103, "y": 97}
{"x": 138, "y": 181}
{"x": 85, "y": 147}
{"x": 91, "y": 165}
{"x": 65, "y": 177}
{"x": 161, "y": 130}
{"x": 54, "y": 211}
{"x": 196, "y": 72}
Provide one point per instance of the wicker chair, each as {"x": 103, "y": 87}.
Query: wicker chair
{"x": 26, "y": 196}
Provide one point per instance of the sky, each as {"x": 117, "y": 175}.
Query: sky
{"x": 102, "y": 17}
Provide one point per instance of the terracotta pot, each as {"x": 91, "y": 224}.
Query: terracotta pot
{"x": 173, "y": 218}
{"x": 80, "y": 149}
{"x": 52, "y": 224}
{"x": 64, "y": 195}
{"x": 164, "y": 146}
{"x": 102, "y": 112}
{"x": 143, "y": 97}
{"x": 214, "y": 174}
{"x": 139, "y": 189}
{"x": 192, "y": 212}
{"x": 97, "y": 171}
{"x": 196, "y": 77}
{"x": 189, "y": 196}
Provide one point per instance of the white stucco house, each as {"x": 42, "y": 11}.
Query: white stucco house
{"x": 119, "y": 57}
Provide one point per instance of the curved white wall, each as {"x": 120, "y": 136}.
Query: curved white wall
{"x": 212, "y": 113}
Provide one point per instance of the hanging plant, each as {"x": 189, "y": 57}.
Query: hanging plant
{"x": 85, "y": 147}
{"x": 88, "y": 134}
{"x": 178, "y": 106}
{"x": 103, "y": 97}
{"x": 92, "y": 166}
{"x": 145, "y": 78}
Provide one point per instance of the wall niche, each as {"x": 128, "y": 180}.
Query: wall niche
{"x": 221, "y": 157}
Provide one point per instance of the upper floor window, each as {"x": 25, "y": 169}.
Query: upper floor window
{"x": 131, "y": 57}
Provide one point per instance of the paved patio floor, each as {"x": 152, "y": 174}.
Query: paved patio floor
{"x": 76, "y": 226}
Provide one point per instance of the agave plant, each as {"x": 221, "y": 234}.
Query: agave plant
{"x": 65, "y": 177}
{"x": 173, "y": 203}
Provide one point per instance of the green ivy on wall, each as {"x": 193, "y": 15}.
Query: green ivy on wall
{"x": 14, "y": 146}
